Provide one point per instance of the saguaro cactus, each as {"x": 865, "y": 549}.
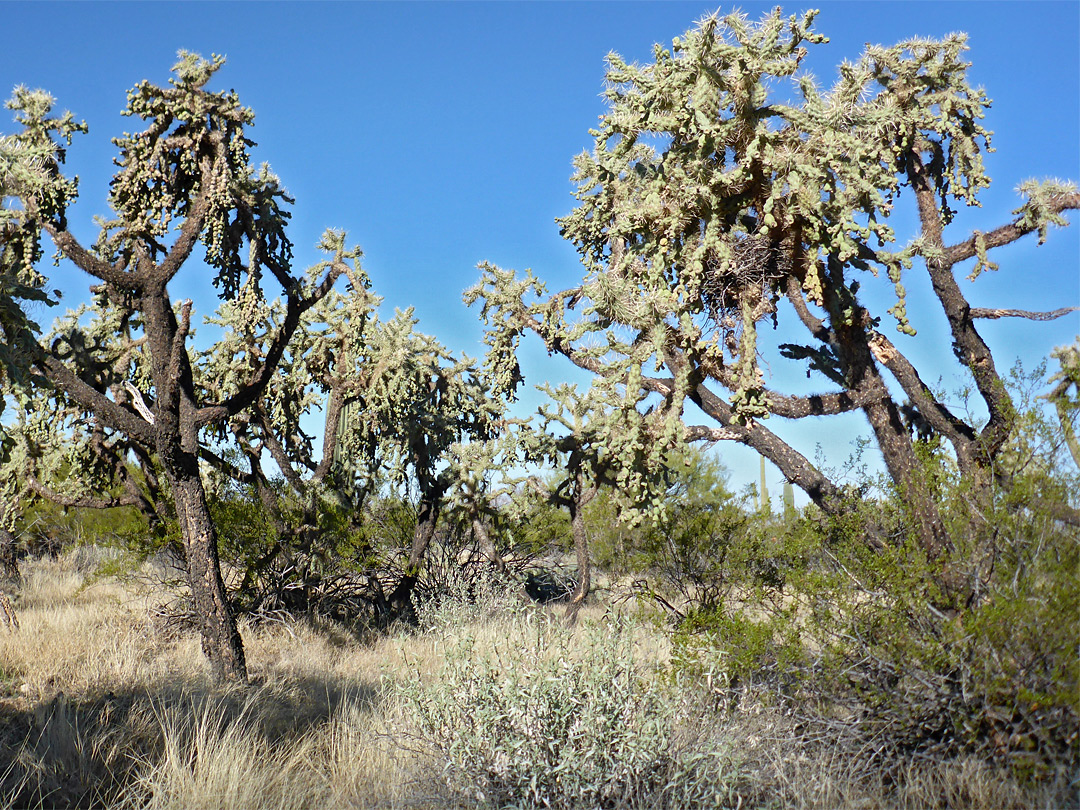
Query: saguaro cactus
{"x": 763, "y": 495}
{"x": 789, "y": 502}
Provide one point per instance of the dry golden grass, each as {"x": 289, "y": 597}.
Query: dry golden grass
{"x": 101, "y": 706}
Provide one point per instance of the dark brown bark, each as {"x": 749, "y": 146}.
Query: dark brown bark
{"x": 331, "y": 427}
{"x": 111, "y": 274}
{"x": 853, "y": 346}
{"x": 957, "y": 432}
{"x": 132, "y": 495}
{"x": 795, "y": 467}
{"x": 427, "y": 517}
{"x": 970, "y": 346}
{"x": 1004, "y": 235}
{"x": 221, "y": 642}
{"x": 575, "y": 494}
{"x": 9, "y": 558}
{"x": 848, "y": 336}
{"x": 579, "y": 497}
{"x": 896, "y": 447}
{"x": 177, "y": 447}
{"x": 108, "y": 412}
{"x": 192, "y": 226}
{"x": 279, "y": 455}
{"x": 875, "y": 347}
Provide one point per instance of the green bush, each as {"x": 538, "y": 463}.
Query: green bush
{"x": 998, "y": 679}
{"x": 45, "y": 528}
{"x": 973, "y": 655}
{"x": 996, "y": 672}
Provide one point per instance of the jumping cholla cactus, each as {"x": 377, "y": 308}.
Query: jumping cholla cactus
{"x": 594, "y": 443}
{"x": 186, "y": 179}
{"x": 475, "y": 467}
{"x": 319, "y": 370}
{"x": 396, "y": 405}
{"x": 422, "y": 404}
{"x": 705, "y": 201}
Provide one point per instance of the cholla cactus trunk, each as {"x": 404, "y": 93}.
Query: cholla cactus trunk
{"x": 487, "y": 547}
{"x": 399, "y": 603}
{"x": 221, "y": 641}
{"x": 577, "y": 504}
{"x": 881, "y": 412}
{"x": 11, "y": 619}
{"x": 176, "y": 440}
{"x": 9, "y": 564}
{"x": 903, "y": 466}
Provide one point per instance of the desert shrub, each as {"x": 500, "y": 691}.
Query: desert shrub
{"x": 700, "y": 516}
{"x": 997, "y": 679}
{"x": 541, "y": 726}
{"x": 45, "y": 529}
{"x": 330, "y": 566}
{"x": 869, "y": 638}
{"x": 542, "y": 526}
{"x": 313, "y": 571}
{"x": 453, "y": 593}
{"x": 995, "y": 671}
{"x": 736, "y": 650}
{"x": 861, "y": 645}
{"x": 725, "y": 594}
{"x": 697, "y": 554}
{"x": 970, "y": 658}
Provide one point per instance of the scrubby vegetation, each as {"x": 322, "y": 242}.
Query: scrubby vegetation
{"x": 825, "y": 695}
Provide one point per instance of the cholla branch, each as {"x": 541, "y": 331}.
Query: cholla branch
{"x": 139, "y": 403}
{"x": 984, "y": 312}
{"x": 695, "y": 433}
{"x": 1011, "y": 232}
{"x": 72, "y": 501}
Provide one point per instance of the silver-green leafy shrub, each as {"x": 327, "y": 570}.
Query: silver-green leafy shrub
{"x": 453, "y": 594}
{"x": 538, "y": 725}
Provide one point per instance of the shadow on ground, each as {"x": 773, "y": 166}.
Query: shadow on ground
{"x": 66, "y": 751}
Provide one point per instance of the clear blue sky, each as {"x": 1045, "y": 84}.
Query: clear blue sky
{"x": 440, "y": 135}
